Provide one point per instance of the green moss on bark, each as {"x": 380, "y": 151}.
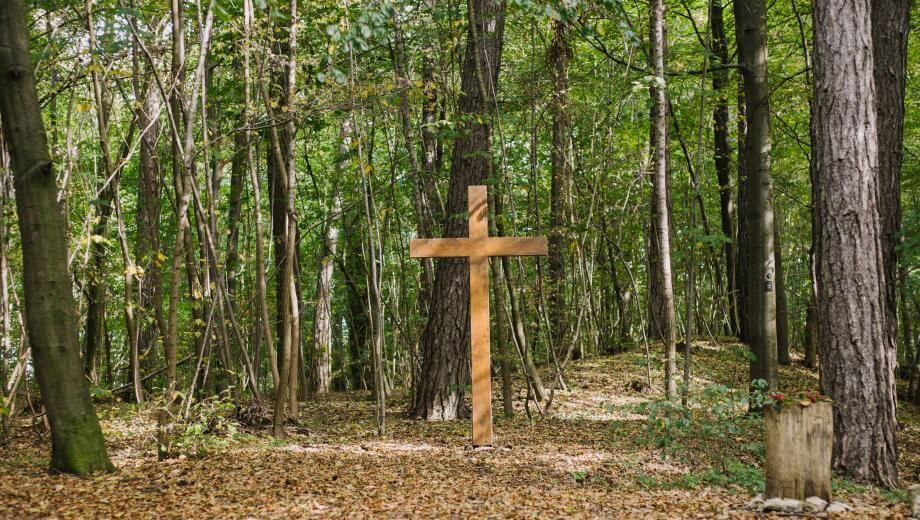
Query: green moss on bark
{"x": 79, "y": 449}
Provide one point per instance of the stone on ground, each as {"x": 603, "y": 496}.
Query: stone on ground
{"x": 815, "y": 504}
{"x": 837, "y": 507}
{"x": 782, "y": 505}
{"x": 915, "y": 500}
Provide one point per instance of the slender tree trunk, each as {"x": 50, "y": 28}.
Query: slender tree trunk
{"x": 446, "y": 339}
{"x": 77, "y": 445}
{"x": 286, "y": 404}
{"x": 501, "y": 338}
{"x": 432, "y": 148}
{"x": 857, "y": 345}
{"x": 501, "y": 321}
{"x": 517, "y": 318}
{"x": 357, "y": 313}
{"x": 723, "y": 159}
{"x": 261, "y": 282}
{"x": 760, "y": 304}
{"x": 558, "y": 56}
{"x": 322, "y": 323}
{"x": 421, "y": 177}
{"x": 742, "y": 252}
{"x": 811, "y": 311}
{"x": 147, "y": 246}
{"x": 237, "y": 176}
{"x": 663, "y": 318}
{"x": 911, "y": 351}
{"x": 782, "y": 312}
{"x": 93, "y": 334}
{"x": 183, "y": 161}
{"x": 375, "y": 261}
{"x": 6, "y": 342}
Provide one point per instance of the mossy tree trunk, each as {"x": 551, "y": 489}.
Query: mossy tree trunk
{"x": 77, "y": 444}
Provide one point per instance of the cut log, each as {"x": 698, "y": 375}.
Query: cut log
{"x": 798, "y": 450}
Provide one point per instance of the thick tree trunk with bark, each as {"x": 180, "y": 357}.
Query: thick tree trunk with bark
{"x": 760, "y": 303}
{"x": 857, "y": 345}
{"x": 445, "y": 341}
{"x": 77, "y": 445}
{"x": 890, "y": 25}
{"x": 661, "y": 285}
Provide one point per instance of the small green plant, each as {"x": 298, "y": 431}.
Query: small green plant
{"x": 683, "y": 481}
{"x": 209, "y": 426}
{"x": 848, "y": 486}
{"x": 736, "y": 473}
{"x": 665, "y": 422}
{"x": 895, "y": 495}
{"x": 100, "y": 394}
{"x": 580, "y": 476}
{"x": 648, "y": 482}
{"x": 712, "y": 431}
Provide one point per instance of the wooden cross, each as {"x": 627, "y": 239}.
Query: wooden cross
{"x": 478, "y": 247}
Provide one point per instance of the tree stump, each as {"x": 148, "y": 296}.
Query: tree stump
{"x": 799, "y": 438}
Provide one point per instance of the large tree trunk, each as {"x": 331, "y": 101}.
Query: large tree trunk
{"x": 889, "y": 42}
{"x": 760, "y": 304}
{"x": 857, "y": 346}
{"x": 445, "y": 341}
{"x": 559, "y": 54}
{"x": 661, "y": 284}
{"x": 77, "y": 445}
{"x": 723, "y": 160}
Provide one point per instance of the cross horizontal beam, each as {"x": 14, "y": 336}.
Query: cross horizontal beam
{"x": 477, "y": 247}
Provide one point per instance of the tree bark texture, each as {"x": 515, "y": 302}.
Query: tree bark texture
{"x": 445, "y": 343}
{"x": 723, "y": 160}
{"x": 890, "y": 25}
{"x": 661, "y": 286}
{"x": 559, "y": 54}
{"x": 856, "y": 344}
{"x": 760, "y": 267}
{"x": 77, "y": 444}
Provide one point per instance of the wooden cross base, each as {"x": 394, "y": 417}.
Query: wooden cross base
{"x": 478, "y": 247}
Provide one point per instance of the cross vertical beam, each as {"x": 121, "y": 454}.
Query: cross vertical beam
{"x": 479, "y": 320}
{"x": 478, "y": 246}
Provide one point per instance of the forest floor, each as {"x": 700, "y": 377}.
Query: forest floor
{"x": 598, "y": 455}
